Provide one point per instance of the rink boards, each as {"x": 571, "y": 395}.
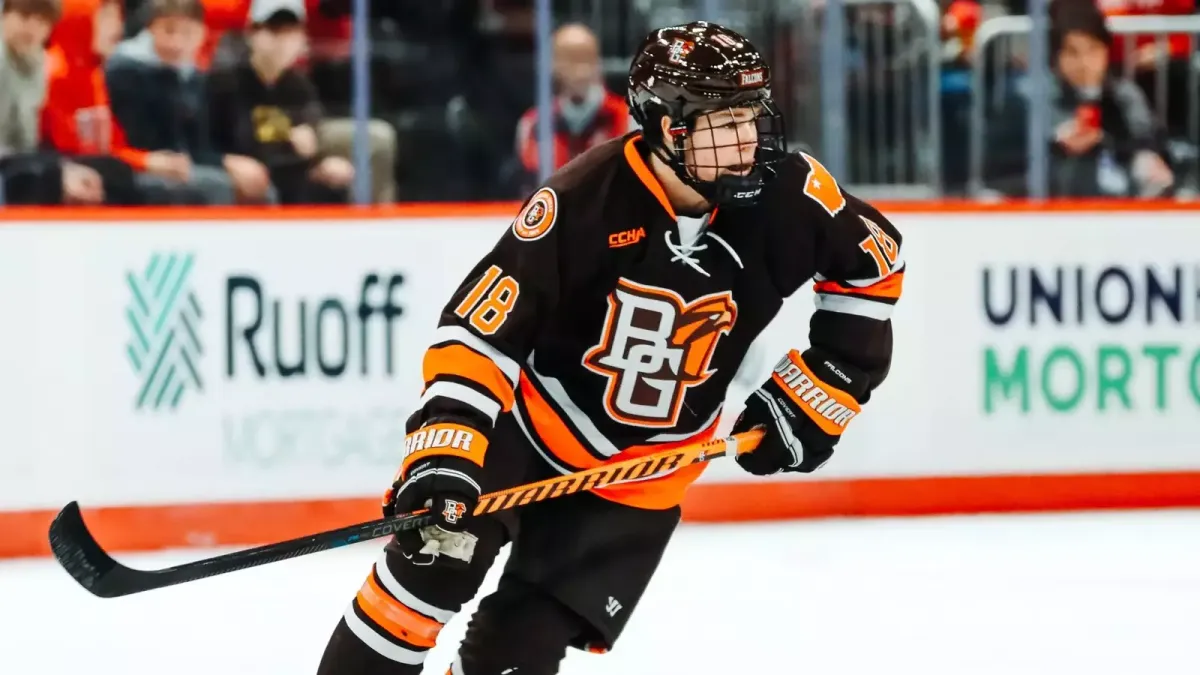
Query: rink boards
{"x": 248, "y": 375}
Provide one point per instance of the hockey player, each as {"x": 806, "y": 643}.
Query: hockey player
{"x": 607, "y": 322}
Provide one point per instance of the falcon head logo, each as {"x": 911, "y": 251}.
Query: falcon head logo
{"x": 697, "y": 329}
{"x": 654, "y": 347}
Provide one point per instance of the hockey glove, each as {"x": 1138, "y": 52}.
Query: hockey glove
{"x": 803, "y": 408}
{"x": 443, "y": 459}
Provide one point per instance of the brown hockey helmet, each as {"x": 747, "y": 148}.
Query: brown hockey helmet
{"x": 686, "y": 72}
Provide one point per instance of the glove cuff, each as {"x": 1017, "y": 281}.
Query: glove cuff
{"x": 443, "y": 439}
{"x": 826, "y": 391}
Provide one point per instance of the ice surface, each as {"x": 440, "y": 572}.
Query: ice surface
{"x": 1075, "y": 594}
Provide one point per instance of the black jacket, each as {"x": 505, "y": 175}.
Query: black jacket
{"x": 253, "y": 118}
{"x": 158, "y": 106}
{"x": 31, "y": 179}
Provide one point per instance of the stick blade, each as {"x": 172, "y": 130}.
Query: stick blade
{"x": 78, "y": 553}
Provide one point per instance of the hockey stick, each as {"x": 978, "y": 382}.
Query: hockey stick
{"x": 83, "y": 558}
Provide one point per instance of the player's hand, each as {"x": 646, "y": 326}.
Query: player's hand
{"x": 443, "y": 459}
{"x": 803, "y": 408}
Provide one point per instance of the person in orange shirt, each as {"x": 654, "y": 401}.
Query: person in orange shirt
{"x": 76, "y": 118}
{"x": 28, "y": 176}
{"x": 585, "y": 112}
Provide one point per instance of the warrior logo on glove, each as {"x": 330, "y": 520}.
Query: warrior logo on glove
{"x": 443, "y": 439}
{"x": 831, "y": 408}
{"x": 804, "y": 409}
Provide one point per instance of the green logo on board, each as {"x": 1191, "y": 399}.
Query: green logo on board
{"x": 164, "y": 345}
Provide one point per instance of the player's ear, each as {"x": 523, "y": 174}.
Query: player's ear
{"x": 665, "y": 123}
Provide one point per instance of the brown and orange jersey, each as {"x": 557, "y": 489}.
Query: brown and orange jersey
{"x": 608, "y": 326}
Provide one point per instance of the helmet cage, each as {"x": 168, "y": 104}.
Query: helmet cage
{"x": 685, "y": 110}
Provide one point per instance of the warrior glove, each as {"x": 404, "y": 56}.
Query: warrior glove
{"x": 443, "y": 459}
{"x": 803, "y": 408}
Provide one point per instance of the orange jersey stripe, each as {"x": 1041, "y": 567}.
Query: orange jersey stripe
{"x": 645, "y": 175}
{"x": 657, "y": 493}
{"x": 393, "y": 617}
{"x": 462, "y": 361}
{"x": 553, "y": 432}
{"x": 888, "y": 287}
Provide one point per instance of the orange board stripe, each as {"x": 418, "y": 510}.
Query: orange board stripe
{"x": 145, "y": 528}
{"x": 109, "y": 216}
{"x": 880, "y": 497}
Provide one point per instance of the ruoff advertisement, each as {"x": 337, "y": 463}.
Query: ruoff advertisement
{"x": 190, "y": 362}
{"x": 173, "y": 363}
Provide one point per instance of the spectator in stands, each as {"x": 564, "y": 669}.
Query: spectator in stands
{"x": 1148, "y": 54}
{"x": 160, "y": 99}
{"x": 585, "y": 112}
{"x": 960, "y": 21}
{"x": 32, "y": 176}
{"x": 266, "y": 109}
{"x": 26, "y": 26}
{"x": 329, "y": 36}
{"x": 76, "y": 118}
{"x": 328, "y": 65}
{"x": 1106, "y": 140}
{"x": 29, "y": 177}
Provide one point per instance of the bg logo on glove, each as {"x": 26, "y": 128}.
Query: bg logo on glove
{"x": 453, "y": 511}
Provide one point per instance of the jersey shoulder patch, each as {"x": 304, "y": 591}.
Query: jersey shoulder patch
{"x": 821, "y": 187}
{"x": 538, "y": 216}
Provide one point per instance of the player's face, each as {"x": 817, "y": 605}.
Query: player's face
{"x": 722, "y": 143}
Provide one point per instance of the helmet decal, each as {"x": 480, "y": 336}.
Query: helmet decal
{"x": 679, "y": 50}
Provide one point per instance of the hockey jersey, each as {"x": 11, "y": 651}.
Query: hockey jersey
{"x": 610, "y": 327}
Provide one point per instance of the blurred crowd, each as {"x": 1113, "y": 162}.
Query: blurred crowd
{"x": 107, "y": 103}
{"x": 1122, "y": 111}
{"x": 214, "y": 102}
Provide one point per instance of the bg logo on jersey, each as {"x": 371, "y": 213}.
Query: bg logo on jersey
{"x": 654, "y": 347}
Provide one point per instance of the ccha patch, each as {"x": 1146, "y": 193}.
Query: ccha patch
{"x": 538, "y": 216}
